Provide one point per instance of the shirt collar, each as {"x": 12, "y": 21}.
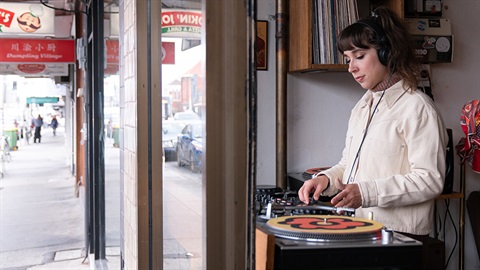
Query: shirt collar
{"x": 392, "y": 94}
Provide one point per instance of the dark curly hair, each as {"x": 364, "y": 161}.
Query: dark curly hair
{"x": 401, "y": 57}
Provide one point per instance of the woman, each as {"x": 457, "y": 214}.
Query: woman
{"x": 393, "y": 163}
{"x": 54, "y": 124}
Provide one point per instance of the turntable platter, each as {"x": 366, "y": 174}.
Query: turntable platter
{"x": 325, "y": 228}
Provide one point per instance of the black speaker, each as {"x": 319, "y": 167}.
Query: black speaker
{"x": 435, "y": 259}
{"x": 448, "y": 187}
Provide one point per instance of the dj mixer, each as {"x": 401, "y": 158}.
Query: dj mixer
{"x": 273, "y": 202}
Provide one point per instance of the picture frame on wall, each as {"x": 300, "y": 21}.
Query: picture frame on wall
{"x": 262, "y": 45}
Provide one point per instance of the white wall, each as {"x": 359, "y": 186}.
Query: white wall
{"x": 453, "y": 85}
{"x": 319, "y": 105}
{"x": 266, "y": 102}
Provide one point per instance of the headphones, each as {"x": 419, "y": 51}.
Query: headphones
{"x": 381, "y": 38}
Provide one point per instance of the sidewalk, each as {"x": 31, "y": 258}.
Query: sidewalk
{"x": 41, "y": 218}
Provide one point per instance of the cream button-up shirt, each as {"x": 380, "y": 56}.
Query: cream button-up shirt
{"x": 400, "y": 168}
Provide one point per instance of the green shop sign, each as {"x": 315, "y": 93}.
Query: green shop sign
{"x": 39, "y": 100}
{"x": 182, "y": 23}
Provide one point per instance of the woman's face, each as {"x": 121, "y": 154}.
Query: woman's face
{"x": 365, "y": 67}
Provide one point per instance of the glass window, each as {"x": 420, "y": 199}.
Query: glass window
{"x": 182, "y": 78}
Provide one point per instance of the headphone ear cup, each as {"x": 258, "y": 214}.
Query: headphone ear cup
{"x": 381, "y": 37}
{"x": 383, "y": 53}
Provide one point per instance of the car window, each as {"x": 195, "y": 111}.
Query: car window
{"x": 171, "y": 128}
{"x": 186, "y": 129}
{"x": 197, "y": 131}
{"x": 186, "y": 116}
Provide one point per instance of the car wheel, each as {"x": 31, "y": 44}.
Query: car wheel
{"x": 179, "y": 159}
{"x": 173, "y": 156}
{"x": 193, "y": 168}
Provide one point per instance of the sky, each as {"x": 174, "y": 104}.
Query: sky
{"x": 184, "y": 60}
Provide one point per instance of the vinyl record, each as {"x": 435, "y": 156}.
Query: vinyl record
{"x": 325, "y": 228}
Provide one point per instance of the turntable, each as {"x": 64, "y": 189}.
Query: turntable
{"x": 322, "y": 237}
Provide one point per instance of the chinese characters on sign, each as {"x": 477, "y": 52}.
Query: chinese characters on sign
{"x": 37, "y": 51}
{"x": 112, "y": 56}
{"x": 112, "y": 52}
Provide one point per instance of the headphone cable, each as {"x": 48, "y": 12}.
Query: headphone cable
{"x": 366, "y": 129}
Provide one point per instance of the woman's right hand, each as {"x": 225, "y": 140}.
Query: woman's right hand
{"x": 315, "y": 185}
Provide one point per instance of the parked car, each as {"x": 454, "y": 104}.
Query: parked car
{"x": 190, "y": 146}
{"x": 170, "y": 130}
{"x": 187, "y": 117}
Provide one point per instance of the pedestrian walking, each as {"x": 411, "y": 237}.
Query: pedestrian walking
{"x": 37, "y": 123}
{"x": 25, "y": 131}
{"x": 54, "y": 124}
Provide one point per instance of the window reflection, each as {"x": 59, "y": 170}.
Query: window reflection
{"x": 183, "y": 99}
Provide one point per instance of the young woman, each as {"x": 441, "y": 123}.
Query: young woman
{"x": 393, "y": 163}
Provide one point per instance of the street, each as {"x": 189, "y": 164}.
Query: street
{"x": 42, "y": 220}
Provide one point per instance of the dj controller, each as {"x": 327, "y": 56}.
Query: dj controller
{"x": 273, "y": 202}
{"x": 320, "y": 236}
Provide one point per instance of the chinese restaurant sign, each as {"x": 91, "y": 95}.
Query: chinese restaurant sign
{"x": 37, "y": 51}
{"x": 26, "y": 18}
{"x": 181, "y": 23}
{"x": 168, "y": 55}
{"x": 113, "y": 57}
{"x": 112, "y": 52}
{"x": 50, "y": 69}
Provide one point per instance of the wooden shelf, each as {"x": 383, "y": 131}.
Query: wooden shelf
{"x": 300, "y": 35}
{"x": 330, "y": 67}
{"x": 453, "y": 195}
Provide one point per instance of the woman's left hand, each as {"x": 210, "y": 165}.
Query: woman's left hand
{"x": 349, "y": 197}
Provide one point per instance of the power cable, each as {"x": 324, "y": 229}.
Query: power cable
{"x": 62, "y": 9}
{"x": 441, "y": 228}
{"x": 447, "y": 204}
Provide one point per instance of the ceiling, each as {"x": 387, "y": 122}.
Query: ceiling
{"x": 182, "y": 4}
{"x": 63, "y": 5}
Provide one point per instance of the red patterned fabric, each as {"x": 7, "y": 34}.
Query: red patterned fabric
{"x": 469, "y": 147}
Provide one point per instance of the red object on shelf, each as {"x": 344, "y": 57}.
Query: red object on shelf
{"x": 316, "y": 170}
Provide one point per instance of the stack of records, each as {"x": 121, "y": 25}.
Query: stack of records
{"x": 329, "y": 18}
